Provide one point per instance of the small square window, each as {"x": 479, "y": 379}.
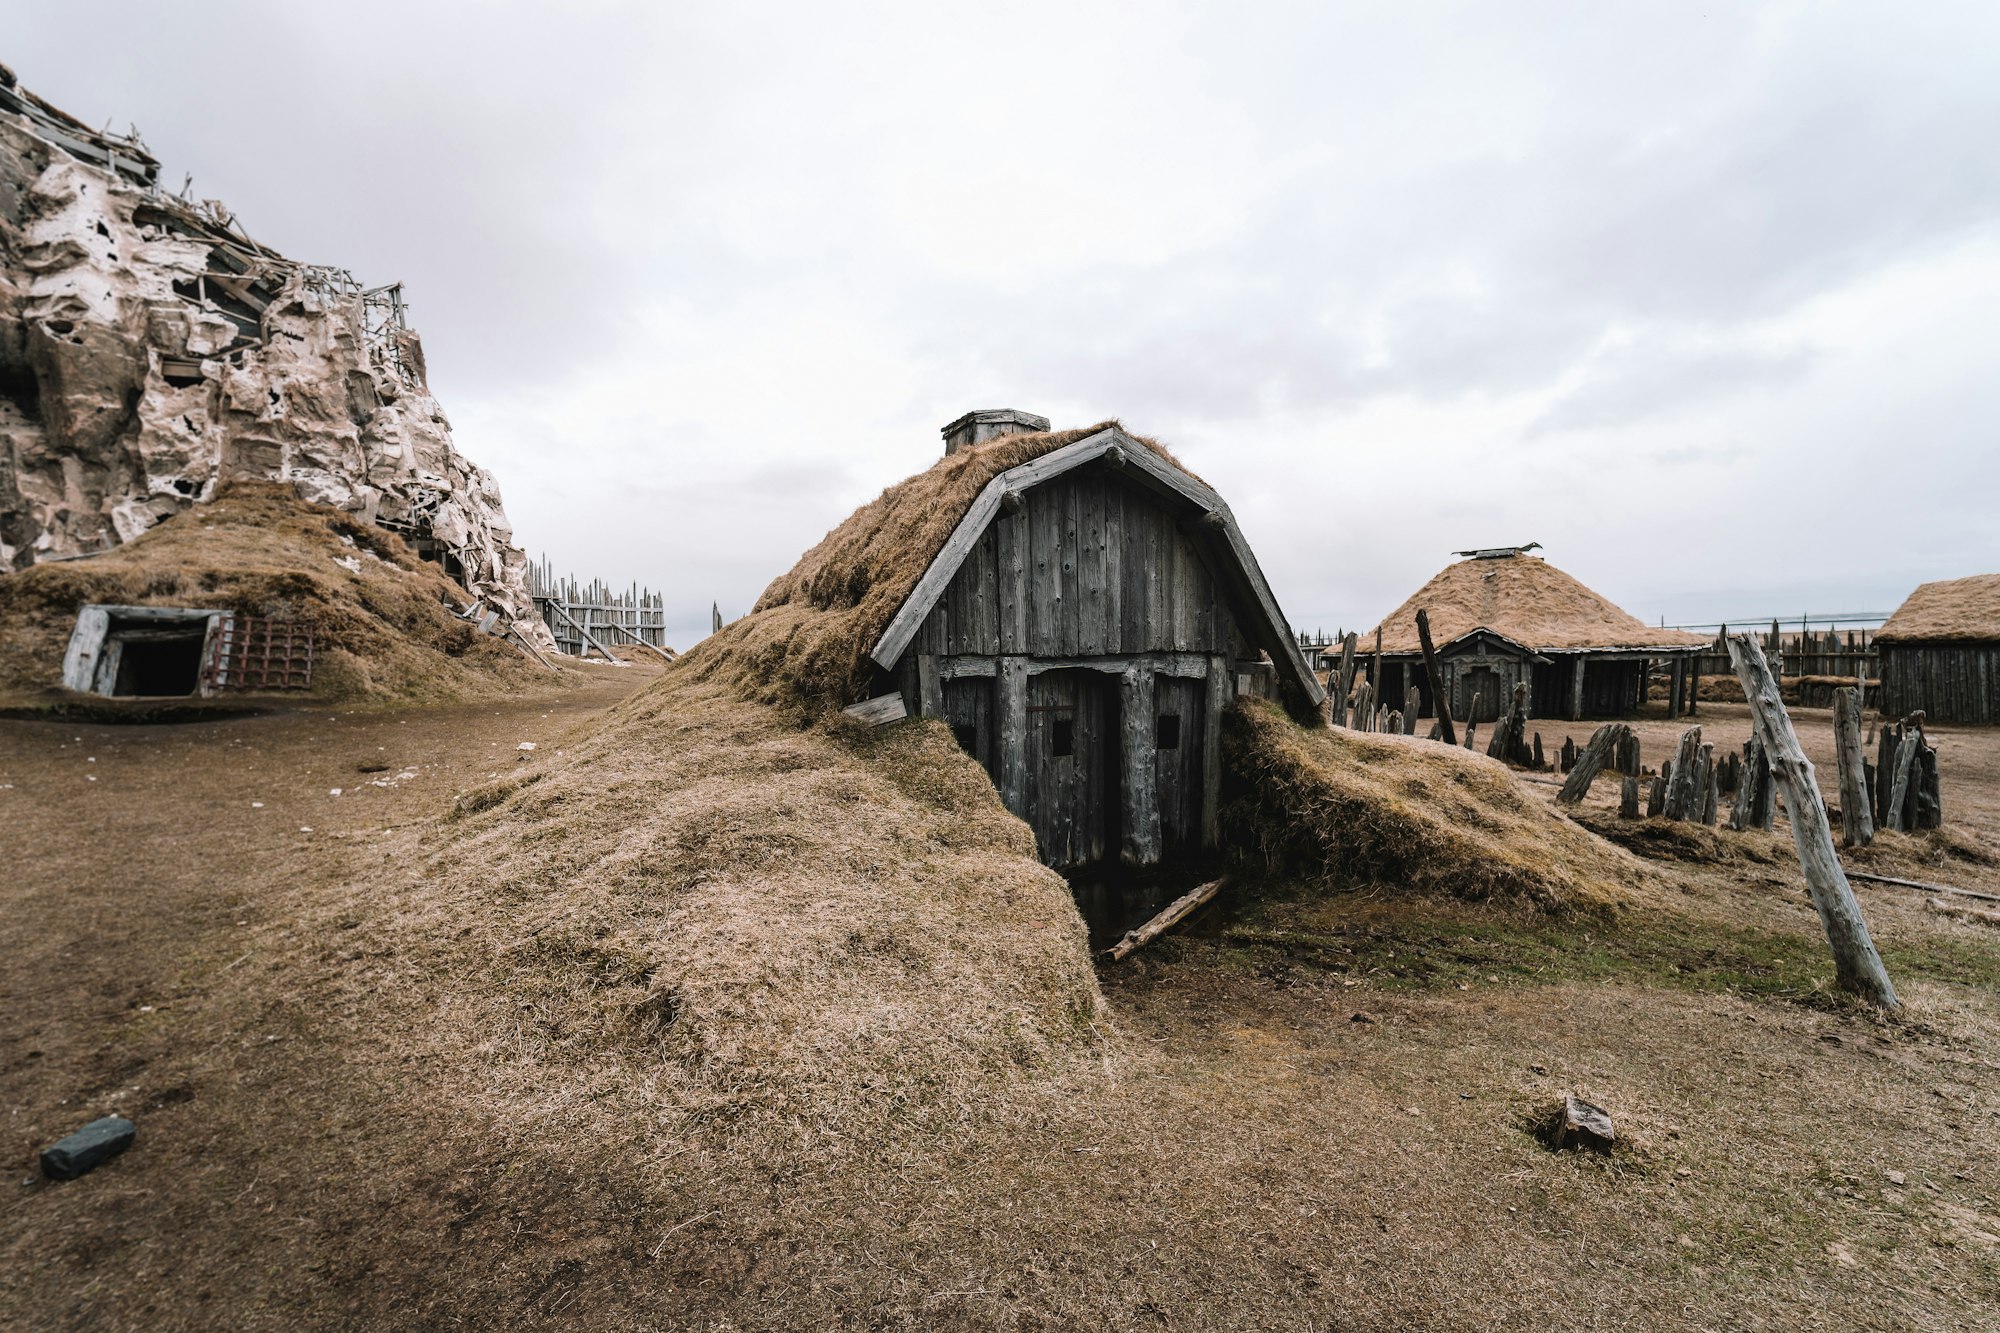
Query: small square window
{"x": 1064, "y": 740}
{"x": 968, "y": 736}
{"x": 1167, "y": 731}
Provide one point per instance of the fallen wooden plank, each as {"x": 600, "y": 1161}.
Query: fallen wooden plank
{"x": 879, "y": 711}
{"x": 1176, "y": 911}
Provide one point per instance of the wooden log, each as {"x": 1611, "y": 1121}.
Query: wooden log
{"x": 1857, "y": 824}
{"x": 1708, "y": 800}
{"x": 1434, "y": 679}
{"x": 1656, "y": 799}
{"x": 879, "y": 711}
{"x": 1628, "y": 797}
{"x": 1857, "y": 966}
{"x": 1346, "y": 678}
{"x": 1413, "y": 704}
{"x": 1175, "y": 912}
{"x": 1920, "y": 884}
{"x": 1594, "y": 757}
{"x": 1899, "y": 789}
{"x": 1930, "y": 809}
{"x": 1683, "y": 795}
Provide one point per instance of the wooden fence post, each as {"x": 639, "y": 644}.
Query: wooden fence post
{"x": 1857, "y": 823}
{"x": 1857, "y": 967}
{"x": 1594, "y": 757}
{"x": 1446, "y": 732}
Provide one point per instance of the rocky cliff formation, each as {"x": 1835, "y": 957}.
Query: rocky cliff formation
{"x": 150, "y": 350}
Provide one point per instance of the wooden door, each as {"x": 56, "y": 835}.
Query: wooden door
{"x": 1072, "y": 764}
{"x": 1480, "y": 689}
{"x": 1179, "y": 728}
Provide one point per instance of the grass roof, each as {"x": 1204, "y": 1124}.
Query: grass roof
{"x": 382, "y": 618}
{"x": 1527, "y": 599}
{"x": 1963, "y": 610}
{"x": 806, "y": 643}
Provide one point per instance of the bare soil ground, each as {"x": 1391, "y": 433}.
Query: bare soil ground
{"x": 1312, "y": 1112}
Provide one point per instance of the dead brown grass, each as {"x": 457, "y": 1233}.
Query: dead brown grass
{"x": 1525, "y": 598}
{"x": 1329, "y": 805}
{"x": 384, "y": 630}
{"x": 805, "y": 645}
{"x": 1947, "y": 611}
{"x": 732, "y": 918}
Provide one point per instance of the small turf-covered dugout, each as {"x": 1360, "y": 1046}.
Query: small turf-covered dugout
{"x": 1077, "y": 606}
{"x": 1504, "y": 616}
{"x": 1940, "y": 652}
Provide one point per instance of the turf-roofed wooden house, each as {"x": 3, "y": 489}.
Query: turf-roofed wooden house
{"x": 1079, "y": 609}
{"x": 1940, "y": 652}
{"x": 1503, "y": 616}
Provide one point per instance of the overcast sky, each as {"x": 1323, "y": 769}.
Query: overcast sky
{"x": 1704, "y": 298}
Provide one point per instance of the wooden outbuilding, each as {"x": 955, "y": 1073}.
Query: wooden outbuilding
{"x": 1940, "y": 652}
{"x": 1502, "y": 616}
{"x": 1081, "y": 628}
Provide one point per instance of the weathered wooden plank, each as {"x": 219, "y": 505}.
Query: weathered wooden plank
{"x": 878, "y": 711}
{"x": 1010, "y": 724}
{"x": 1857, "y": 823}
{"x": 930, "y": 686}
{"x": 1593, "y": 758}
{"x": 1857, "y": 967}
{"x": 1174, "y": 913}
{"x": 1137, "y": 748}
{"x": 1211, "y": 749}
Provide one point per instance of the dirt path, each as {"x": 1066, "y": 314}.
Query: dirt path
{"x": 145, "y": 863}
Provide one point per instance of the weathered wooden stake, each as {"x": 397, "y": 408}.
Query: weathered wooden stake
{"x": 1413, "y": 704}
{"x": 1684, "y": 795}
{"x": 1628, "y": 798}
{"x": 1899, "y": 787}
{"x": 1857, "y": 822}
{"x": 1594, "y": 757}
{"x": 1432, "y": 677}
{"x": 1857, "y": 967}
{"x": 1656, "y": 799}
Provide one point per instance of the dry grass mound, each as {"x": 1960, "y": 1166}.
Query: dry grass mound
{"x": 1947, "y": 611}
{"x": 695, "y": 912}
{"x": 1525, "y": 598}
{"x": 1347, "y": 808}
{"x": 381, "y": 618}
{"x": 805, "y": 645}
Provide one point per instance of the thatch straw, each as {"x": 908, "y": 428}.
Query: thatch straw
{"x": 1357, "y": 809}
{"x": 806, "y": 644}
{"x": 1528, "y": 600}
{"x": 383, "y": 631}
{"x": 1963, "y": 610}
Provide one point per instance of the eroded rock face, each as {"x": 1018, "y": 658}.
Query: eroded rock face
{"x": 150, "y": 350}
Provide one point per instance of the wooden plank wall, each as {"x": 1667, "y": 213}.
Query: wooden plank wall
{"x": 1949, "y": 682}
{"x": 1089, "y": 566}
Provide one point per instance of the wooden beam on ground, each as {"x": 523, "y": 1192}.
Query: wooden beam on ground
{"x": 1857, "y": 966}
{"x": 1920, "y": 884}
{"x": 1176, "y": 911}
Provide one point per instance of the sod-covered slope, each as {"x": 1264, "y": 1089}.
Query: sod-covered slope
{"x": 1351, "y": 809}
{"x": 696, "y": 908}
{"x": 382, "y": 619}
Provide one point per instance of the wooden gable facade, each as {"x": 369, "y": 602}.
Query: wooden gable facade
{"x": 1081, "y": 632}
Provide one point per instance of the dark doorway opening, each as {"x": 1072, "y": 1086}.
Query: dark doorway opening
{"x": 155, "y": 662}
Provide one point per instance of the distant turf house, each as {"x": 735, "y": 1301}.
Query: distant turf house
{"x": 1081, "y": 628}
{"x": 1940, "y": 652}
{"x": 1502, "y": 616}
